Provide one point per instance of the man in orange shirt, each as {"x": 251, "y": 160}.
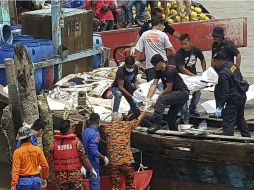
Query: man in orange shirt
{"x": 26, "y": 161}
{"x": 121, "y": 160}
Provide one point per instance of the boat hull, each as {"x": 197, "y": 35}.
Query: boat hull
{"x": 185, "y": 159}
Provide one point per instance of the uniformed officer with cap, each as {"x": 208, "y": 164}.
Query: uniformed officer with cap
{"x": 230, "y": 96}
{"x": 225, "y": 46}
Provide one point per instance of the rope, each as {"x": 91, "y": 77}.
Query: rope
{"x": 141, "y": 166}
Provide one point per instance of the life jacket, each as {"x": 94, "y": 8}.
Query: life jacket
{"x": 66, "y": 156}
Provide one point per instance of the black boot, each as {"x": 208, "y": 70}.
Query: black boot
{"x": 154, "y": 128}
{"x": 146, "y": 123}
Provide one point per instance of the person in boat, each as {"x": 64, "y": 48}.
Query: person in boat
{"x": 26, "y": 161}
{"x": 230, "y": 95}
{"x": 153, "y": 42}
{"x": 125, "y": 84}
{"x": 91, "y": 139}
{"x": 186, "y": 59}
{"x": 121, "y": 162}
{"x": 37, "y": 130}
{"x": 175, "y": 93}
{"x": 226, "y": 46}
{"x": 67, "y": 155}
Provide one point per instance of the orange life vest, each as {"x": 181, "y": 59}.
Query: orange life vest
{"x": 66, "y": 156}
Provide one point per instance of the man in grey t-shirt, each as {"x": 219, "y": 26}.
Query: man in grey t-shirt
{"x": 153, "y": 42}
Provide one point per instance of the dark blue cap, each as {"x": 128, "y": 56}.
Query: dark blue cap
{"x": 218, "y": 32}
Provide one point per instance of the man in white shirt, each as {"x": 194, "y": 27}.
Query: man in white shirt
{"x": 153, "y": 42}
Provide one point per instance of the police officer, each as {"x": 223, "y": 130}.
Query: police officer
{"x": 230, "y": 96}
{"x": 175, "y": 93}
{"x": 227, "y": 47}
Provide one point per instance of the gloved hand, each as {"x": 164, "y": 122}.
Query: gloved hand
{"x": 93, "y": 172}
{"x": 133, "y": 49}
{"x": 147, "y": 106}
{"x": 218, "y": 112}
{"x": 104, "y": 8}
{"x": 43, "y": 183}
{"x": 148, "y": 101}
{"x": 106, "y": 161}
{"x": 135, "y": 100}
{"x": 83, "y": 171}
{"x": 138, "y": 63}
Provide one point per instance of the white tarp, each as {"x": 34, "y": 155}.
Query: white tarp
{"x": 210, "y": 105}
{"x": 207, "y": 79}
{"x": 195, "y": 83}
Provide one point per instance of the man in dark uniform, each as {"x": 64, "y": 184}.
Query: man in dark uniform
{"x": 227, "y": 47}
{"x": 186, "y": 59}
{"x": 175, "y": 94}
{"x": 230, "y": 96}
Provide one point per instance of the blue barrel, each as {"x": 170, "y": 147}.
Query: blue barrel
{"x": 33, "y": 48}
{"x": 5, "y": 34}
{"x": 19, "y": 39}
{"x": 68, "y": 4}
{"x": 77, "y": 4}
{"x": 16, "y": 29}
{"x": 97, "y": 43}
{"x": 47, "y": 52}
{"x": 6, "y": 51}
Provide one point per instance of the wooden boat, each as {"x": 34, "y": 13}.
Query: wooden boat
{"x": 142, "y": 180}
{"x": 193, "y": 156}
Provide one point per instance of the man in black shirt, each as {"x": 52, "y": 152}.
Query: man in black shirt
{"x": 175, "y": 94}
{"x": 186, "y": 59}
{"x": 220, "y": 44}
{"x": 125, "y": 84}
